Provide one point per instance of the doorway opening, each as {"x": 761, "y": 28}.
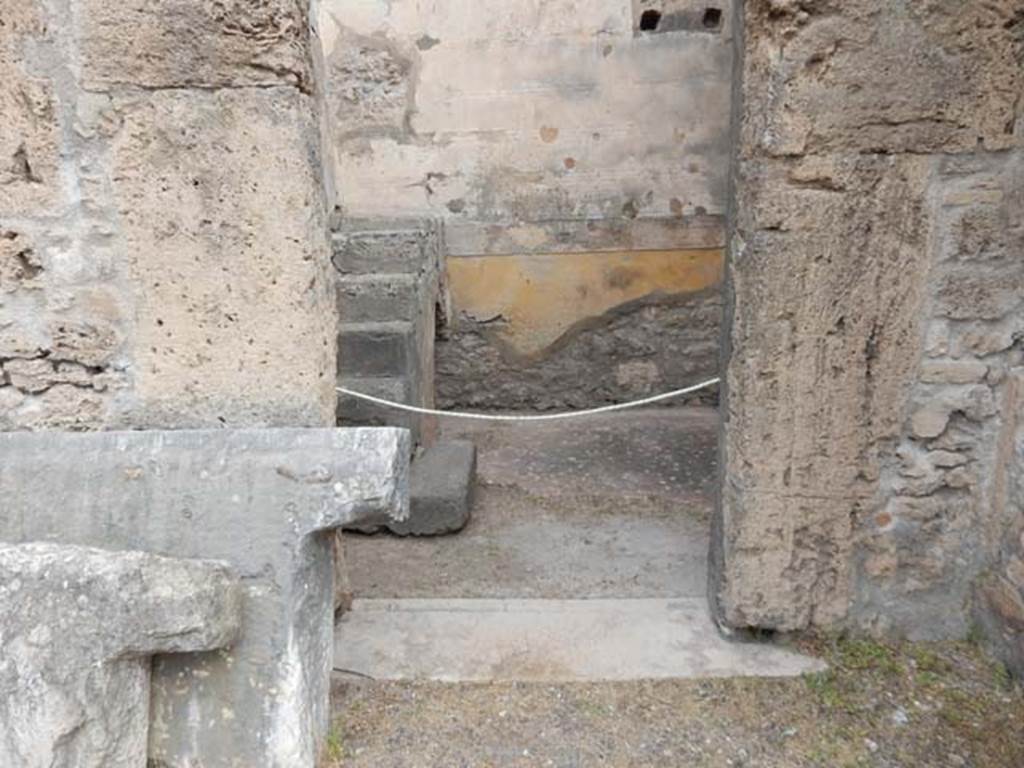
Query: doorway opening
{"x": 531, "y": 221}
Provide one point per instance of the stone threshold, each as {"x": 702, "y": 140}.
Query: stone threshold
{"x": 469, "y": 640}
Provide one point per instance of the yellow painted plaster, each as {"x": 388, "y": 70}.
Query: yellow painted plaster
{"x": 533, "y": 300}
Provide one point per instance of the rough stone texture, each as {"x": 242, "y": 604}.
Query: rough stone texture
{"x": 999, "y": 601}
{"x": 265, "y": 501}
{"x": 228, "y": 259}
{"x": 61, "y": 318}
{"x": 441, "y": 483}
{"x": 184, "y": 43}
{"x": 79, "y": 628}
{"x": 931, "y": 76}
{"x": 163, "y": 235}
{"x": 646, "y": 347}
{"x": 874, "y": 309}
{"x": 29, "y": 136}
{"x": 944, "y": 511}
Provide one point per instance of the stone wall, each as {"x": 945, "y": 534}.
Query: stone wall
{"x": 570, "y": 149}
{"x": 875, "y": 318}
{"x": 653, "y": 345}
{"x": 163, "y": 244}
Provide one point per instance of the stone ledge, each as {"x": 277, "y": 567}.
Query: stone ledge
{"x": 79, "y": 627}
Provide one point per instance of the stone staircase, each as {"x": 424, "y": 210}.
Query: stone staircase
{"x": 388, "y": 288}
{"x": 389, "y": 285}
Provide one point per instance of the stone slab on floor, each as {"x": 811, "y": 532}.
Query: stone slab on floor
{"x": 264, "y": 501}
{"x": 548, "y": 641}
{"x": 440, "y": 493}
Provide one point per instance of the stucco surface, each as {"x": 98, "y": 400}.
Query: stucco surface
{"x": 531, "y": 111}
{"x": 530, "y": 302}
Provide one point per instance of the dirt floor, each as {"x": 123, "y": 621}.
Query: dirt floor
{"x": 911, "y": 706}
{"x": 618, "y": 508}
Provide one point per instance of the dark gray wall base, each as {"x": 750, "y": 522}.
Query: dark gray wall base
{"x": 648, "y": 347}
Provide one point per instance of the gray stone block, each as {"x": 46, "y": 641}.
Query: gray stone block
{"x": 79, "y": 627}
{"x": 379, "y": 298}
{"x": 387, "y": 246}
{"x": 355, "y": 412}
{"x": 262, "y": 500}
{"x": 441, "y": 493}
{"x": 376, "y": 349}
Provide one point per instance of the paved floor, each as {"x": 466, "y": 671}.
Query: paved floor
{"x": 585, "y": 560}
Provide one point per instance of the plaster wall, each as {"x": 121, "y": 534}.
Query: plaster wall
{"x": 555, "y": 139}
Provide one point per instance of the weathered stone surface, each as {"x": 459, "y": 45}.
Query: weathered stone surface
{"x": 933, "y": 76}
{"x": 646, "y": 347}
{"x": 29, "y": 132}
{"x": 816, "y": 374}
{"x": 999, "y": 597}
{"x": 181, "y": 43}
{"x": 874, "y": 312}
{"x": 140, "y": 234}
{"x": 932, "y": 418}
{"x": 944, "y": 509}
{"x": 441, "y": 483}
{"x": 51, "y": 282}
{"x": 79, "y": 626}
{"x": 262, "y": 500}
{"x": 227, "y": 253}
{"x": 953, "y": 372}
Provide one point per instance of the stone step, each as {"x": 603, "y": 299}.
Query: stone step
{"x": 376, "y": 349}
{"x": 368, "y": 251}
{"x": 440, "y": 491}
{"x": 380, "y": 297}
{"x": 353, "y": 412}
{"x": 548, "y": 641}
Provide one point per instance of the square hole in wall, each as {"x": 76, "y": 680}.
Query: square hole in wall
{"x": 649, "y": 20}
{"x": 712, "y": 18}
{"x": 656, "y": 16}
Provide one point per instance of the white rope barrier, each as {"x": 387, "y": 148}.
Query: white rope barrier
{"x": 529, "y": 417}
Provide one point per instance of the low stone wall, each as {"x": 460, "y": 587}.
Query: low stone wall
{"x": 79, "y": 627}
{"x": 265, "y": 501}
{"x": 646, "y": 347}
